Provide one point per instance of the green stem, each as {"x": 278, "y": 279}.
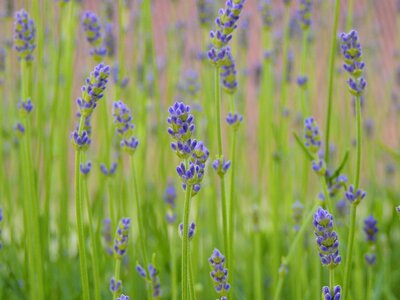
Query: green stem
{"x": 293, "y": 248}
{"x": 81, "y": 231}
{"x": 350, "y": 241}
{"x": 191, "y": 279}
{"x": 185, "y": 243}
{"x": 92, "y": 236}
{"x": 326, "y": 194}
{"x": 174, "y": 289}
{"x": 225, "y": 222}
{"x": 258, "y": 267}
{"x": 331, "y": 278}
{"x": 330, "y": 86}
{"x": 139, "y": 214}
{"x": 232, "y": 205}
{"x": 369, "y": 292}
{"x": 32, "y": 197}
{"x": 358, "y": 129}
{"x": 79, "y": 207}
{"x": 218, "y": 110}
{"x": 349, "y": 250}
{"x": 116, "y": 275}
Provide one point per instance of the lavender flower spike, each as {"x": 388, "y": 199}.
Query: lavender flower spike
{"x": 305, "y": 13}
{"x": 121, "y": 238}
{"x": 123, "y": 297}
{"x": 370, "y": 229}
{"x": 228, "y": 73}
{"x": 124, "y": 126}
{"x": 91, "y": 26}
{"x": 335, "y": 295}
{"x": 312, "y": 136}
{"x": 327, "y": 239}
{"x": 265, "y": 8}
{"x": 192, "y": 228}
{"x": 221, "y": 166}
{"x": 354, "y": 197}
{"x": 24, "y": 35}
{"x": 352, "y": 53}
{"x": 219, "y": 273}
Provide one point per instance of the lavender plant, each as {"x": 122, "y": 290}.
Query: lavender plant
{"x": 120, "y": 248}
{"x": 92, "y": 92}
{"x": 92, "y": 27}
{"x": 352, "y": 53}
{"x": 328, "y": 247}
{"x": 191, "y": 172}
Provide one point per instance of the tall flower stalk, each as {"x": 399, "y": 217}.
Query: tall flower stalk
{"x": 92, "y": 92}
{"x": 191, "y": 171}
{"x": 328, "y": 247}
{"x": 352, "y": 53}
{"x": 24, "y": 44}
{"x": 220, "y": 56}
{"x": 330, "y": 80}
{"x": 120, "y": 247}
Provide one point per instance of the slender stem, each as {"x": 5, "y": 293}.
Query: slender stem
{"x": 330, "y": 86}
{"x": 33, "y": 203}
{"x": 174, "y": 289}
{"x": 185, "y": 243}
{"x": 121, "y": 47}
{"x": 370, "y": 288}
{"x": 218, "y": 108}
{"x": 116, "y": 275}
{"x": 92, "y": 236}
{"x": 139, "y": 214}
{"x": 331, "y": 278}
{"x": 111, "y": 204}
{"x": 258, "y": 267}
{"x": 358, "y": 129}
{"x": 350, "y": 241}
{"x": 349, "y": 250}
{"x": 225, "y": 222}
{"x": 191, "y": 279}
{"x": 326, "y": 194}
{"x": 232, "y": 205}
{"x": 81, "y": 231}
{"x": 293, "y": 247}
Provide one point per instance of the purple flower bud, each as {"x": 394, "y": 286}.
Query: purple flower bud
{"x": 326, "y": 238}
{"x": 24, "y": 35}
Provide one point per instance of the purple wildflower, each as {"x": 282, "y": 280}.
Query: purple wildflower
{"x": 351, "y": 50}
{"x": 107, "y": 236}
{"x": 124, "y": 126}
{"x": 234, "y": 119}
{"x": 91, "y": 26}
{"x": 354, "y": 197}
{"x": 121, "y": 238}
{"x": 123, "y": 297}
{"x": 304, "y": 13}
{"x": 24, "y": 35}
{"x": 110, "y": 171}
{"x": 327, "y": 239}
{"x": 115, "y": 286}
{"x": 85, "y": 168}
{"x": 228, "y": 73}
{"x": 219, "y": 273}
{"x": 221, "y": 166}
{"x": 312, "y": 136}
{"x": 335, "y": 295}
{"x": 205, "y": 12}
{"x": 370, "y": 229}
{"x": 265, "y": 9}
{"x": 192, "y": 228}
